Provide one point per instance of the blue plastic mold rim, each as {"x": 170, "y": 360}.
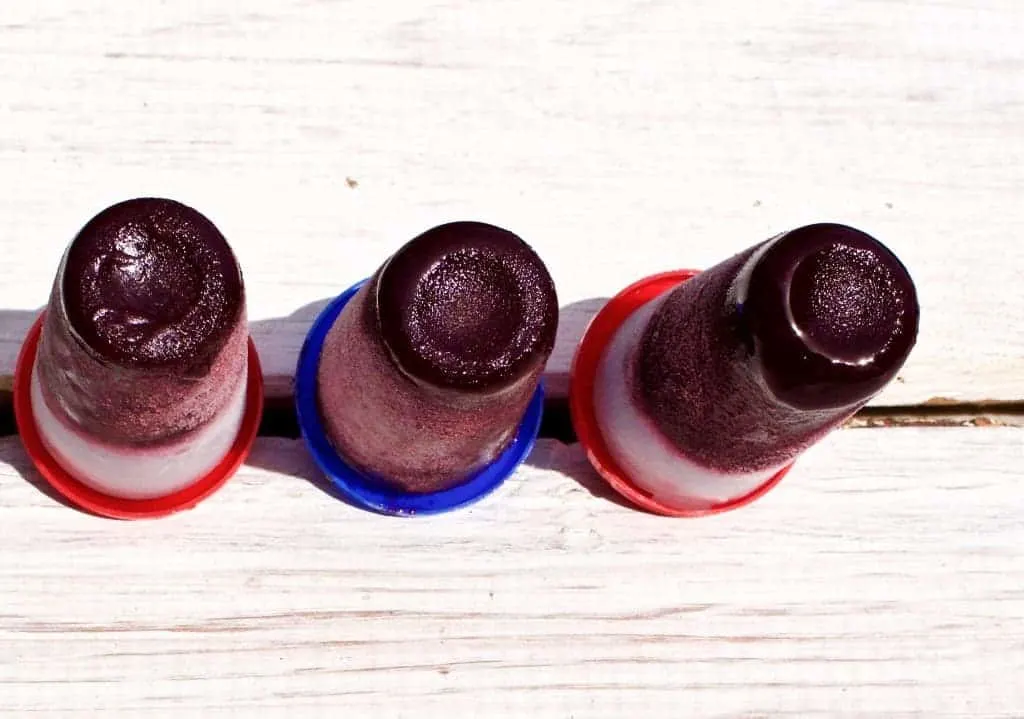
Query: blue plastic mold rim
{"x": 368, "y": 492}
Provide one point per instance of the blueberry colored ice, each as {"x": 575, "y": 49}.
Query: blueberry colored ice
{"x": 427, "y": 372}
{"x": 710, "y": 389}
{"x": 139, "y": 385}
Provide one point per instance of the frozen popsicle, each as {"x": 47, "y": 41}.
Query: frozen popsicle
{"x": 711, "y": 388}
{"x": 428, "y": 370}
{"x": 139, "y": 384}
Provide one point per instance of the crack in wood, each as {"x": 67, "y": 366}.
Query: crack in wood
{"x": 279, "y": 417}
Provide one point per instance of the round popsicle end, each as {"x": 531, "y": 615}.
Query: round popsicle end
{"x": 832, "y": 315}
{"x": 467, "y": 306}
{"x": 150, "y": 282}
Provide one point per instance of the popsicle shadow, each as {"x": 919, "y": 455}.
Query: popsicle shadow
{"x": 573, "y": 321}
{"x": 23, "y": 465}
{"x": 571, "y": 461}
{"x": 298, "y": 464}
{"x": 14, "y": 326}
{"x": 279, "y": 340}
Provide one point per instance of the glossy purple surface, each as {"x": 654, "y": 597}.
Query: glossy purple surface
{"x": 833, "y": 315}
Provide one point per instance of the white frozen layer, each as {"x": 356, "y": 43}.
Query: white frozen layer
{"x": 641, "y": 450}
{"x": 133, "y": 473}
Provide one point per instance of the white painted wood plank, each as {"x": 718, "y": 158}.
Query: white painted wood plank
{"x": 619, "y": 137}
{"x": 884, "y": 577}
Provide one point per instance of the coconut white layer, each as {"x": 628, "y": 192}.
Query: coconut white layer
{"x": 139, "y": 472}
{"x": 642, "y": 451}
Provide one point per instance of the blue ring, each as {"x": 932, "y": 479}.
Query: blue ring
{"x": 368, "y": 492}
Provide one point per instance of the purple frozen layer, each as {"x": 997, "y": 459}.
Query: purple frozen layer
{"x": 145, "y": 337}
{"x": 427, "y": 372}
{"x": 116, "y": 469}
{"x": 747, "y": 364}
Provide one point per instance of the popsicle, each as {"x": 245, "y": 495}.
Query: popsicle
{"x": 140, "y": 383}
{"x": 427, "y": 370}
{"x": 707, "y": 389}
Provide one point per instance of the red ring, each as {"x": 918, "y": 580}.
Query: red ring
{"x": 115, "y": 507}
{"x": 581, "y": 398}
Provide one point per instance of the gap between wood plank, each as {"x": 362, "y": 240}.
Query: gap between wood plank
{"x": 279, "y": 417}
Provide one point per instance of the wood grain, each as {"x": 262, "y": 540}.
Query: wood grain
{"x": 882, "y": 578}
{"x": 620, "y": 138}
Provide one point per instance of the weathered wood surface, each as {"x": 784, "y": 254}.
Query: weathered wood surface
{"x": 883, "y": 577}
{"x": 620, "y": 138}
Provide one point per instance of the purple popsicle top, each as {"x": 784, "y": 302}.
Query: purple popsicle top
{"x": 145, "y": 333}
{"x": 467, "y": 306}
{"x": 745, "y": 365}
{"x": 426, "y": 373}
{"x": 832, "y": 315}
{"x": 152, "y": 283}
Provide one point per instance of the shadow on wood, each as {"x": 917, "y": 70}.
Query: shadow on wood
{"x": 570, "y": 461}
{"x": 14, "y": 325}
{"x": 297, "y": 465}
{"x": 276, "y": 337}
{"x": 573, "y": 320}
{"x": 280, "y": 339}
{"x": 15, "y": 456}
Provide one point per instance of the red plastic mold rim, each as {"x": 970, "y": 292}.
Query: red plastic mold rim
{"x": 104, "y": 505}
{"x": 581, "y": 398}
